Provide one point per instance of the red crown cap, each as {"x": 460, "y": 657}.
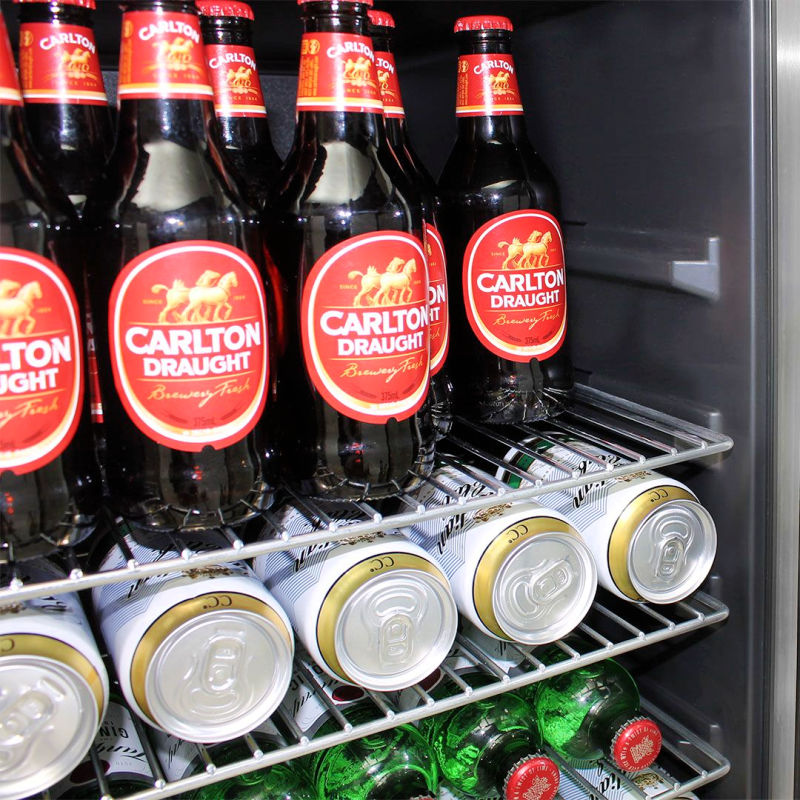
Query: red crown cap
{"x": 637, "y": 744}
{"x": 380, "y": 19}
{"x": 224, "y": 8}
{"x": 363, "y": 2}
{"x": 483, "y": 23}
{"x": 536, "y": 777}
{"x": 81, "y": 3}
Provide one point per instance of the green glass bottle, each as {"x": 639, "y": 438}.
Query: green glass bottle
{"x": 593, "y": 712}
{"x": 391, "y": 765}
{"x": 282, "y": 781}
{"x": 490, "y": 747}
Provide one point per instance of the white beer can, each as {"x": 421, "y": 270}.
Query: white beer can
{"x": 374, "y": 610}
{"x": 519, "y": 571}
{"x": 53, "y": 687}
{"x": 204, "y": 654}
{"x": 650, "y": 782}
{"x": 651, "y": 538}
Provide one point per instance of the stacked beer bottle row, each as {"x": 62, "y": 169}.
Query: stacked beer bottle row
{"x": 229, "y": 350}
{"x": 206, "y": 654}
{"x": 189, "y": 694}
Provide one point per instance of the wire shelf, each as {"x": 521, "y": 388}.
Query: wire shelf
{"x": 639, "y": 439}
{"x": 612, "y": 628}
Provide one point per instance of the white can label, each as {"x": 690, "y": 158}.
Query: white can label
{"x": 610, "y": 787}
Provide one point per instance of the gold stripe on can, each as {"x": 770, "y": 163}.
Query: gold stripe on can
{"x": 47, "y": 647}
{"x": 495, "y": 555}
{"x": 172, "y": 619}
{"x": 353, "y": 579}
{"x": 628, "y": 523}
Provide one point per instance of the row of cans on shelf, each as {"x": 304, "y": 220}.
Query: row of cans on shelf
{"x": 205, "y": 653}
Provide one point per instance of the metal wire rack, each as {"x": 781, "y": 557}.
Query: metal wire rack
{"x": 635, "y": 437}
{"x": 612, "y": 628}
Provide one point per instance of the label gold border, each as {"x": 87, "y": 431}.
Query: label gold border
{"x": 496, "y": 553}
{"x": 353, "y": 579}
{"x": 170, "y": 620}
{"x": 626, "y": 525}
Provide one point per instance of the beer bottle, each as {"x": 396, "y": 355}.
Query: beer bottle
{"x": 49, "y": 477}
{"x": 242, "y": 126}
{"x": 66, "y": 109}
{"x": 180, "y": 294}
{"x": 593, "y": 712}
{"x": 346, "y": 229}
{"x": 488, "y": 748}
{"x": 504, "y": 243}
{"x": 381, "y": 29}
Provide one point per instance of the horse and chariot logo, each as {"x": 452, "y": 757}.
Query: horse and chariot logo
{"x": 209, "y": 300}
{"x": 391, "y": 287}
{"x": 533, "y": 252}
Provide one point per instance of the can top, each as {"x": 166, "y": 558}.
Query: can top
{"x": 532, "y": 776}
{"x": 396, "y": 627}
{"x": 543, "y": 587}
{"x": 488, "y": 22}
{"x": 380, "y": 19}
{"x": 218, "y": 675}
{"x": 224, "y": 8}
{"x": 82, "y": 3}
{"x": 671, "y": 551}
{"x": 636, "y": 744}
{"x": 56, "y": 716}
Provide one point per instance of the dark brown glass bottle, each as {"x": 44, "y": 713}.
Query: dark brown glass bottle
{"x": 49, "y": 477}
{"x": 66, "y": 109}
{"x": 181, "y": 301}
{"x": 381, "y": 29}
{"x": 347, "y": 228}
{"x": 242, "y": 127}
{"x": 509, "y": 357}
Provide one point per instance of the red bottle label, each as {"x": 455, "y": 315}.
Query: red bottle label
{"x": 487, "y": 86}
{"x": 188, "y": 338}
{"x": 437, "y": 291}
{"x": 162, "y": 55}
{"x": 95, "y": 395}
{"x": 41, "y": 361}
{"x": 9, "y": 85}
{"x": 514, "y": 285}
{"x": 366, "y": 326}
{"x": 59, "y": 64}
{"x": 389, "y": 86}
{"x": 337, "y": 73}
{"x": 234, "y": 78}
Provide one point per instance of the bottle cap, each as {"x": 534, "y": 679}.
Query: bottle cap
{"x": 380, "y": 19}
{"x": 636, "y": 744}
{"x": 362, "y": 2}
{"x": 532, "y": 777}
{"x": 224, "y": 8}
{"x": 82, "y": 3}
{"x": 483, "y": 23}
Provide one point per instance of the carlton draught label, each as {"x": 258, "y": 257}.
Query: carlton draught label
{"x": 189, "y": 344}
{"x": 337, "y": 73}
{"x": 366, "y": 326}
{"x": 514, "y": 285}
{"x": 234, "y": 77}
{"x": 162, "y": 55}
{"x": 41, "y": 361}
{"x": 389, "y": 86}
{"x": 437, "y": 290}
{"x": 9, "y": 85}
{"x": 487, "y": 86}
{"x": 59, "y": 64}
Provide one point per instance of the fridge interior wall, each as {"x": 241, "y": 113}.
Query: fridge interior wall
{"x": 652, "y": 117}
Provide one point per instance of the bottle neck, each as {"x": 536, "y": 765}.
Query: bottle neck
{"x": 227, "y": 30}
{"x": 57, "y": 14}
{"x": 486, "y": 68}
{"x": 394, "y": 115}
{"x": 317, "y": 124}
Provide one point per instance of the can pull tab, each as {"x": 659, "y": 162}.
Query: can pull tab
{"x": 24, "y": 719}
{"x": 534, "y": 592}
{"x": 213, "y": 684}
{"x": 670, "y": 553}
{"x": 397, "y": 616}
